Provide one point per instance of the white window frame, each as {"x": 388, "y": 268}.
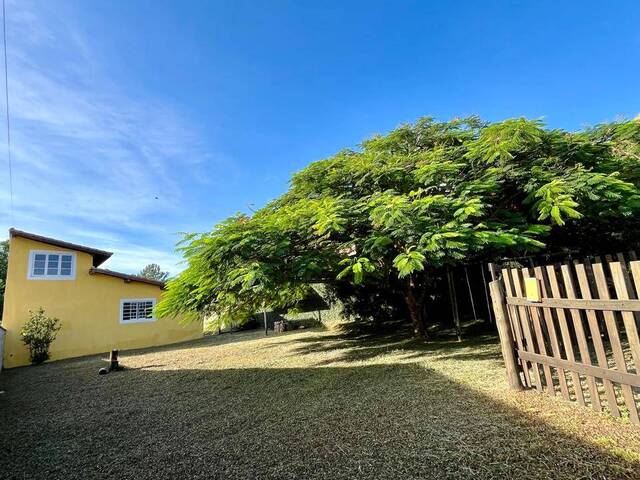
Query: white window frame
{"x": 46, "y": 276}
{"x": 137, "y": 320}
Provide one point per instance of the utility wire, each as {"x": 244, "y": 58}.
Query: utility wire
{"x": 6, "y": 94}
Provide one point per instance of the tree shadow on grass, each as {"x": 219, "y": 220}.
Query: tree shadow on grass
{"x": 379, "y": 422}
{"x": 362, "y": 347}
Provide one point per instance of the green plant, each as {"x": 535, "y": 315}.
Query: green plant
{"x": 38, "y": 332}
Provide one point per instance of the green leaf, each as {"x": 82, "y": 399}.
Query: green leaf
{"x": 409, "y": 262}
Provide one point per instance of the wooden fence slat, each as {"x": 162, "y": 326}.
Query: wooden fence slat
{"x": 566, "y": 337}
{"x": 585, "y": 356}
{"x": 515, "y": 324}
{"x": 635, "y": 271}
{"x": 614, "y": 338}
{"x": 589, "y": 272}
{"x": 553, "y": 336}
{"x": 596, "y": 338}
{"x": 524, "y": 317}
{"x": 620, "y": 285}
{"x": 507, "y": 345}
{"x": 542, "y": 348}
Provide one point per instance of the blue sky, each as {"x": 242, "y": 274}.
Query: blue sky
{"x": 135, "y": 120}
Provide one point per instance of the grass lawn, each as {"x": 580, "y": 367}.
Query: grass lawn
{"x": 308, "y": 404}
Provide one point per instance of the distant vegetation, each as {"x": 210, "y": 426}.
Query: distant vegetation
{"x": 154, "y": 272}
{"x": 376, "y": 224}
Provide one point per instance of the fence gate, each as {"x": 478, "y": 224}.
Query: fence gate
{"x": 572, "y": 330}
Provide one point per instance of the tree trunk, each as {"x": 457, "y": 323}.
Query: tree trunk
{"x": 415, "y": 306}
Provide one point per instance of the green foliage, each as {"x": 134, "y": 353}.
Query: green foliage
{"x": 356, "y": 267}
{"x": 409, "y": 262}
{"x": 408, "y": 203}
{"x": 38, "y": 332}
{"x": 154, "y": 272}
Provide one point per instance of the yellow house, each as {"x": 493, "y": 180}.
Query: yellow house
{"x": 99, "y": 309}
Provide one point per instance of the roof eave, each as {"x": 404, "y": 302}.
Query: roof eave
{"x": 126, "y": 277}
{"x": 99, "y": 256}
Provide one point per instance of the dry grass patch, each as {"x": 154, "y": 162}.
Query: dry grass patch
{"x": 302, "y": 405}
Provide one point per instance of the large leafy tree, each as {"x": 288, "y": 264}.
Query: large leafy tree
{"x": 404, "y": 205}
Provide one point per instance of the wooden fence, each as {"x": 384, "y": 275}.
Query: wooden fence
{"x": 572, "y": 330}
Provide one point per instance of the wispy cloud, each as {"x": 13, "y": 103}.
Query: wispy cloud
{"x": 93, "y": 162}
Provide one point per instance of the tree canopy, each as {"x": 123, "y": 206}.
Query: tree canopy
{"x": 408, "y": 203}
{"x": 153, "y": 271}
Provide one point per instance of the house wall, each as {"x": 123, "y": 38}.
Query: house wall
{"x": 2, "y": 332}
{"x": 88, "y": 308}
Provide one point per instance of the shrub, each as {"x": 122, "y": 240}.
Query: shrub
{"x": 38, "y": 333}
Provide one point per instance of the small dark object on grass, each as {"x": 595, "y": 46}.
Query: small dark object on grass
{"x": 113, "y": 361}
{"x": 103, "y": 371}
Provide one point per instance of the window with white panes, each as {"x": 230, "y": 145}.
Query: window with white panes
{"x": 46, "y": 265}
{"x": 137, "y": 310}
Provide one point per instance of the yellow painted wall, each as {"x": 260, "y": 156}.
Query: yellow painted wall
{"x": 88, "y": 308}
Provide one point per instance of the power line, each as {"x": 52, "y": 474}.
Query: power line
{"x": 6, "y": 94}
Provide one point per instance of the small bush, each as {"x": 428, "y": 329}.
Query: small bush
{"x": 38, "y": 333}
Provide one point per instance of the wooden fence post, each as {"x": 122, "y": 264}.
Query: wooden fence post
{"x": 506, "y": 339}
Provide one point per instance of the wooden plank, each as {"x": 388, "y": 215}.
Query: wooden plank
{"x": 620, "y": 285}
{"x": 634, "y": 268}
{"x": 635, "y": 271}
{"x": 614, "y": 338}
{"x": 515, "y": 324}
{"x": 624, "y": 378}
{"x": 580, "y": 304}
{"x": 627, "y": 277}
{"x": 596, "y": 338}
{"x": 585, "y": 356}
{"x": 566, "y": 337}
{"x": 553, "y": 336}
{"x": 542, "y": 348}
{"x": 506, "y": 338}
{"x": 589, "y": 272}
{"x": 526, "y": 327}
